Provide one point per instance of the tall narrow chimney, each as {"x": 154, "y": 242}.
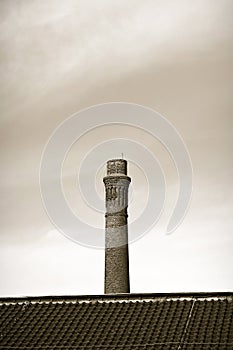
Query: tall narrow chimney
{"x": 116, "y": 229}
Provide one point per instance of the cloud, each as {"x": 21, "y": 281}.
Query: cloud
{"x": 44, "y": 44}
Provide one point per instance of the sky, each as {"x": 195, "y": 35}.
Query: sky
{"x": 60, "y": 57}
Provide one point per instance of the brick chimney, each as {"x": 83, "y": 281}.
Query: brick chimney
{"x": 116, "y": 229}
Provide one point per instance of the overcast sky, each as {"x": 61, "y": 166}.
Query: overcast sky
{"x": 58, "y": 57}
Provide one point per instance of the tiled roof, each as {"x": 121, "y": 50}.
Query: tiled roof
{"x": 127, "y": 321}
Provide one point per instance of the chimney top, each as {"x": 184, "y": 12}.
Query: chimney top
{"x": 117, "y": 167}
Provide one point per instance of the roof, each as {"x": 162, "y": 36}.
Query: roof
{"x": 125, "y": 321}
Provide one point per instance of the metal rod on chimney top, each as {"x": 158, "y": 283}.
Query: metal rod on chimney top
{"x": 116, "y": 228}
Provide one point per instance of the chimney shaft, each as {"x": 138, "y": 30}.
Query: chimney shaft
{"x": 116, "y": 229}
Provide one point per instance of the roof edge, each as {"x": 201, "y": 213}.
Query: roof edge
{"x": 116, "y": 297}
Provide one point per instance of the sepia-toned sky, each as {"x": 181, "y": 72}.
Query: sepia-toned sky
{"x": 58, "y": 57}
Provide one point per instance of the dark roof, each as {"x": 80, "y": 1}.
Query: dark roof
{"x": 127, "y": 321}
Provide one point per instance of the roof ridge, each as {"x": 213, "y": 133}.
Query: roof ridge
{"x": 113, "y": 299}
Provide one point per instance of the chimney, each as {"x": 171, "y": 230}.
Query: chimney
{"x": 116, "y": 229}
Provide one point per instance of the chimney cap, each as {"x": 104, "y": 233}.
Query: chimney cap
{"x": 117, "y": 166}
